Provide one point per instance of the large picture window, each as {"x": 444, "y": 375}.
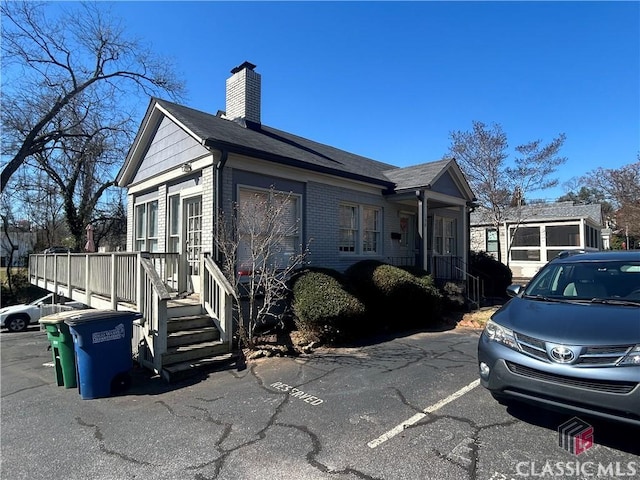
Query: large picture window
{"x": 525, "y": 236}
{"x": 360, "y": 229}
{"x": 146, "y": 219}
{"x": 523, "y": 241}
{"x": 268, "y": 224}
{"x": 563, "y": 235}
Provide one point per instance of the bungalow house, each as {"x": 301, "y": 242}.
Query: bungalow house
{"x": 186, "y": 165}
{"x": 532, "y": 235}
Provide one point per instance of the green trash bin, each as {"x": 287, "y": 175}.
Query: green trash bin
{"x": 62, "y": 349}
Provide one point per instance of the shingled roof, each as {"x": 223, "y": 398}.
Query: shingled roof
{"x": 283, "y": 147}
{"x": 215, "y": 130}
{"x": 545, "y": 212}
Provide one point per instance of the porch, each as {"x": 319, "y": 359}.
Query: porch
{"x": 447, "y": 268}
{"x": 178, "y": 330}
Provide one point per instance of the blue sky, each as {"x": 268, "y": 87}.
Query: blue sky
{"x": 391, "y": 80}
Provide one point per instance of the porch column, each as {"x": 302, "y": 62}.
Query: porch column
{"x": 423, "y": 229}
{"x": 466, "y": 240}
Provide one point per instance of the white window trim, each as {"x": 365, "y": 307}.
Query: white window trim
{"x": 360, "y": 230}
{"x": 292, "y": 195}
{"x": 441, "y": 221}
{"x": 146, "y": 241}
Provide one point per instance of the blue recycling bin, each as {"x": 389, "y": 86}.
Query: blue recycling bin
{"x": 102, "y": 342}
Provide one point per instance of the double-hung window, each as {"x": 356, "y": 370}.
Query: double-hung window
{"x": 492, "y": 240}
{"x": 445, "y": 236}
{"x": 360, "y": 229}
{"x": 146, "y": 218}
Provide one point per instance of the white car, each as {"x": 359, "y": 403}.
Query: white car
{"x": 17, "y": 318}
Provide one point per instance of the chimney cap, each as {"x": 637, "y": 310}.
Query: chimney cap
{"x": 239, "y": 68}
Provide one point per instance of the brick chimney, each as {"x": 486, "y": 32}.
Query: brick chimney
{"x": 243, "y": 94}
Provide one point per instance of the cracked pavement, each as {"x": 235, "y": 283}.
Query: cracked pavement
{"x": 285, "y": 418}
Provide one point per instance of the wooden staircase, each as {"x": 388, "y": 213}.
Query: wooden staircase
{"x": 193, "y": 341}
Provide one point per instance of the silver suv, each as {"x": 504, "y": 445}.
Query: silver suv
{"x": 570, "y": 340}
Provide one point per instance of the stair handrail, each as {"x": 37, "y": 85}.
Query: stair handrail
{"x": 153, "y": 297}
{"x": 474, "y": 285}
{"x": 217, "y": 297}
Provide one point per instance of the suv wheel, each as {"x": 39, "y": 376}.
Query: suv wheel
{"x": 17, "y": 323}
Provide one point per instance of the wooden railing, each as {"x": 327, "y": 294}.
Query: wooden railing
{"x": 152, "y": 304}
{"x": 102, "y": 280}
{"x": 118, "y": 281}
{"x": 217, "y": 297}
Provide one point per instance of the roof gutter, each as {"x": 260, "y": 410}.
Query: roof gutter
{"x": 292, "y": 162}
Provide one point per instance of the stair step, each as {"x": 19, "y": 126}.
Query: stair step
{"x": 192, "y": 336}
{"x": 188, "y": 322}
{"x": 185, "y": 353}
{"x": 182, "y": 370}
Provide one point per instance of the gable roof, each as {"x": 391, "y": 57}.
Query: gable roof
{"x": 545, "y": 212}
{"x": 275, "y": 145}
{"x": 426, "y": 175}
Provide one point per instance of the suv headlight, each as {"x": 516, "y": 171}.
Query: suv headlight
{"x": 500, "y": 334}
{"x": 632, "y": 358}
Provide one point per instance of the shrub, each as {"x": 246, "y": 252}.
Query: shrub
{"x": 395, "y": 297}
{"x": 495, "y": 275}
{"x": 323, "y": 308}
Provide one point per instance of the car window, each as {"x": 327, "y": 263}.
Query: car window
{"x": 547, "y": 281}
{"x": 587, "y": 280}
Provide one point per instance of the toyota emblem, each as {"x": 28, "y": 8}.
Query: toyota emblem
{"x": 562, "y": 354}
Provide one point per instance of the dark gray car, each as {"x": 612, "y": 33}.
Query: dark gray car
{"x": 571, "y": 339}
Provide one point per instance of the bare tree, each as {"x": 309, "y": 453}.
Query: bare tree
{"x": 621, "y": 187}
{"x": 55, "y": 61}
{"x": 502, "y": 187}
{"x": 259, "y": 249}
{"x": 38, "y": 201}
{"x": 15, "y": 237}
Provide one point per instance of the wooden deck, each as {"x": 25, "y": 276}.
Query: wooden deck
{"x": 153, "y": 284}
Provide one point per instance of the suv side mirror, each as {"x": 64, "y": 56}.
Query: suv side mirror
{"x": 514, "y": 290}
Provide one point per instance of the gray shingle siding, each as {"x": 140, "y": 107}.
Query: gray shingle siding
{"x": 171, "y": 146}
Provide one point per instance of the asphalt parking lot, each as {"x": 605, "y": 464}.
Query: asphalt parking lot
{"x": 407, "y": 407}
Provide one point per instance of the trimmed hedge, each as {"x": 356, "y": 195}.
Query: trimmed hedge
{"x": 369, "y": 297}
{"x": 396, "y": 297}
{"x": 323, "y": 308}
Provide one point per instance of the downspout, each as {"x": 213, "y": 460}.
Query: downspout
{"x": 217, "y": 202}
{"x": 470, "y": 208}
{"x": 210, "y": 145}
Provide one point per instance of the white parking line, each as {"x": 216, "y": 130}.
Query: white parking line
{"x": 419, "y": 416}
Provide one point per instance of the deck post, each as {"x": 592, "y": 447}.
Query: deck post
{"x": 69, "y": 286}
{"x": 139, "y": 286}
{"x": 114, "y": 280}
{"x": 87, "y": 280}
{"x": 55, "y": 278}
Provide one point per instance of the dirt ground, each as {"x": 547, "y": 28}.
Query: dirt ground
{"x": 477, "y": 318}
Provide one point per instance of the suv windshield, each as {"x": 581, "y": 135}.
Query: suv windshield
{"x": 587, "y": 280}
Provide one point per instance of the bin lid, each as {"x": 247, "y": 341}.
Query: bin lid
{"x": 86, "y": 316}
{"x": 59, "y": 317}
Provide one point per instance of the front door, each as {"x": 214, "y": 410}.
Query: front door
{"x": 193, "y": 240}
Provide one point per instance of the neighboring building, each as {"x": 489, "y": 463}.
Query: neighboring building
{"x": 534, "y": 234}
{"x": 185, "y": 165}
{"x": 23, "y": 242}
